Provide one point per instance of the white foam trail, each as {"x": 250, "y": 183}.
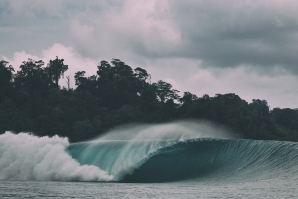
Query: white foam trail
{"x": 27, "y": 157}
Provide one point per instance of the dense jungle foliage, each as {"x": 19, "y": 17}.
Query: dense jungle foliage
{"x": 31, "y": 100}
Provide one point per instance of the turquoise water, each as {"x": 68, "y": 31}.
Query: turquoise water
{"x": 156, "y": 165}
{"x": 191, "y": 160}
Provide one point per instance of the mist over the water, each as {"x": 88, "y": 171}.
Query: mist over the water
{"x": 124, "y": 149}
{"x": 179, "y": 130}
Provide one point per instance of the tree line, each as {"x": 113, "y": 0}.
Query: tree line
{"x": 31, "y": 100}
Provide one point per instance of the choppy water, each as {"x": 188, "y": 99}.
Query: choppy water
{"x": 175, "y": 161}
{"x": 254, "y": 189}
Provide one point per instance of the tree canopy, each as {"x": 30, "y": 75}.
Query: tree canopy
{"x": 32, "y": 100}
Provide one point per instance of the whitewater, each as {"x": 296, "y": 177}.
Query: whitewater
{"x": 180, "y": 159}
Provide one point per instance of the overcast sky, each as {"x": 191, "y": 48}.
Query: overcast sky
{"x": 247, "y": 47}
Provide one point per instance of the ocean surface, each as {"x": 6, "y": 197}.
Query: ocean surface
{"x": 176, "y": 160}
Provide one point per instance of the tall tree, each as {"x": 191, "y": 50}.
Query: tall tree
{"x": 188, "y": 98}
{"x": 261, "y": 106}
{"x": 117, "y": 84}
{"x": 6, "y": 78}
{"x": 165, "y": 92}
{"x": 80, "y": 78}
{"x": 55, "y": 70}
{"x": 32, "y": 76}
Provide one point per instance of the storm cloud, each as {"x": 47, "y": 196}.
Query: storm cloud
{"x": 245, "y": 47}
{"x": 232, "y": 33}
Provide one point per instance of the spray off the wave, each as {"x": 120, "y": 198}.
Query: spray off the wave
{"x": 146, "y": 153}
{"x": 121, "y": 151}
{"x": 181, "y": 151}
{"x": 178, "y": 130}
{"x": 27, "y": 157}
{"x": 124, "y": 149}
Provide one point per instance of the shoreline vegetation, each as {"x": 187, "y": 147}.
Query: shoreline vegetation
{"x": 31, "y": 100}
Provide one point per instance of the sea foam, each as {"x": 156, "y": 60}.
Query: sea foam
{"x": 27, "y": 157}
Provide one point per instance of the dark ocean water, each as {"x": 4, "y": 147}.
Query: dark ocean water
{"x": 269, "y": 188}
{"x": 188, "y": 167}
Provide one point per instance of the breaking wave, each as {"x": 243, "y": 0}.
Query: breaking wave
{"x": 207, "y": 158}
{"x": 27, "y": 157}
{"x": 158, "y": 153}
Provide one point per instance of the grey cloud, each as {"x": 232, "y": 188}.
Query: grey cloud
{"x": 218, "y": 33}
{"x": 171, "y": 39}
{"x": 233, "y": 34}
{"x": 259, "y": 34}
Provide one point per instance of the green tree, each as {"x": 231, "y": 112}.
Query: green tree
{"x": 32, "y": 77}
{"x": 142, "y": 77}
{"x": 31, "y": 100}
{"x": 86, "y": 83}
{"x": 165, "y": 92}
{"x": 117, "y": 84}
{"x": 286, "y": 117}
{"x": 80, "y": 78}
{"x": 188, "y": 98}
{"x": 6, "y": 78}
{"x": 261, "y": 106}
{"x": 141, "y": 74}
{"x": 83, "y": 130}
{"x": 55, "y": 69}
